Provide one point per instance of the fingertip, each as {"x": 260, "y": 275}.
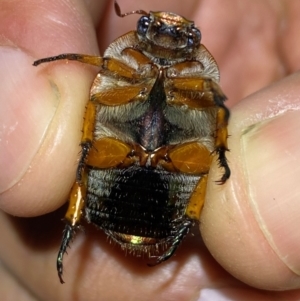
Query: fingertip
{"x": 271, "y": 153}
{"x": 41, "y": 113}
{"x": 249, "y": 224}
{"x": 48, "y": 174}
{"x": 234, "y": 238}
{"x": 25, "y": 115}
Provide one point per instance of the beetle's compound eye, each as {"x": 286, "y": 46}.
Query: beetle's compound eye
{"x": 143, "y": 25}
{"x": 194, "y": 37}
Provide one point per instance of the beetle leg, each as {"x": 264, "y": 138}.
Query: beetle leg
{"x": 221, "y": 142}
{"x": 78, "y": 191}
{"x": 192, "y": 214}
{"x": 87, "y": 138}
{"x": 196, "y": 202}
{"x": 180, "y": 232}
{"x": 209, "y": 94}
{"x": 83, "y": 58}
{"x": 221, "y": 133}
{"x": 68, "y": 235}
{"x": 72, "y": 218}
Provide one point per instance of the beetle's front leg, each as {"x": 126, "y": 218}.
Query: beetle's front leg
{"x": 78, "y": 191}
{"x": 83, "y": 58}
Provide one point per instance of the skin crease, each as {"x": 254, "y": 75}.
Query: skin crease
{"x": 249, "y": 224}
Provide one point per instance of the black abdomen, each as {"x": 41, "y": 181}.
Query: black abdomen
{"x": 138, "y": 201}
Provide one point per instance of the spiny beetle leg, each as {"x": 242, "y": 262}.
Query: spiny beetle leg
{"x": 68, "y": 236}
{"x": 222, "y": 160}
{"x": 180, "y": 232}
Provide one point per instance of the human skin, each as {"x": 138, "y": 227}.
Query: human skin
{"x": 249, "y": 225}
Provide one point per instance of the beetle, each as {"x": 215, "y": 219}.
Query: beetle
{"x": 154, "y": 119}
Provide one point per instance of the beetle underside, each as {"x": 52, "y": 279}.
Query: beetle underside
{"x": 155, "y": 117}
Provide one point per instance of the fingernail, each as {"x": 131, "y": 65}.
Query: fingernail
{"x": 271, "y": 152}
{"x": 26, "y": 110}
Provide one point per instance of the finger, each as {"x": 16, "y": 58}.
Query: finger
{"x": 289, "y": 45}
{"x": 10, "y": 287}
{"x": 41, "y": 107}
{"x": 97, "y": 270}
{"x": 250, "y": 225}
{"x": 244, "y": 39}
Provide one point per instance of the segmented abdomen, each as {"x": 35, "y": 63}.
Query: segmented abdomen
{"x": 138, "y": 200}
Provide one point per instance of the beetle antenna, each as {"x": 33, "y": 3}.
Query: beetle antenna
{"x": 119, "y": 14}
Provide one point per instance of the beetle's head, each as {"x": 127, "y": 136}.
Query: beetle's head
{"x": 165, "y": 30}
{"x": 169, "y": 31}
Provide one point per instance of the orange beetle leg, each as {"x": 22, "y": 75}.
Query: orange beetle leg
{"x": 83, "y": 58}
{"x": 72, "y": 218}
{"x": 89, "y": 123}
{"x": 87, "y": 138}
{"x": 196, "y": 202}
{"x": 78, "y": 191}
{"x": 221, "y": 142}
{"x": 221, "y": 136}
{"x": 135, "y": 86}
{"x": 76, "y": 203}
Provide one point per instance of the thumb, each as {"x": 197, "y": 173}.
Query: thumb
{"x": 41, "y": 108}
{"x": 251, "y": 225}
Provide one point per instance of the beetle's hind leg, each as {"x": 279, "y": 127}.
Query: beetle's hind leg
{"x": 68, "y": 235}
{"x": 180, "y": 232}
{"x": 72, "y": 219}
{"x": 78, "y": 191}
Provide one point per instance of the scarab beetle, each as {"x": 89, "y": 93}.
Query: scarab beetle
{"x": 154, "y": 119}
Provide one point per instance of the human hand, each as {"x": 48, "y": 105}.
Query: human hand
{"x": 41, "y": 118}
